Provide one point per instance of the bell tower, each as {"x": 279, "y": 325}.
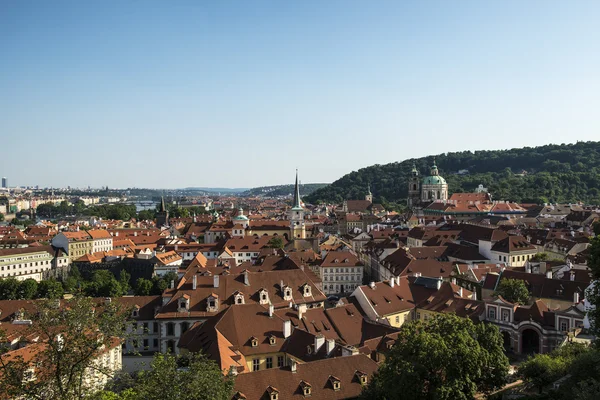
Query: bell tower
{"x": 296, "y": 215}
{"x": 369, "y": 196}
{"x": 414, "y": 190}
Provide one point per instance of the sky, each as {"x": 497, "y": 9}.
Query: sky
{"x": 171, "y": 94}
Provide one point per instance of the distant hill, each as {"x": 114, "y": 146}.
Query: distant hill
{"x": 563, "y": 173}
{"x": 216, "y": 190}
{"x": 283, "y": 190}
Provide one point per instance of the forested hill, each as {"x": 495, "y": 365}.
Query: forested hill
{"x": 283, "y": 190}
{"x": 553, "y": 173}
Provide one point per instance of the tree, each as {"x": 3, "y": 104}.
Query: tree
{"x": 276, "y": 243}
{"x": 28, "y": 289}
{"x": 1, "y": 217}
{"x": 200, "y": 379}
{"x": 9, "y": 289}
{"x": 596, "y": 228}
{"x": 513, "y": 290}
{"x": 103, "y": 284}
{"x": 143, "y": 287}
{"x": 540, "y": 257}
{"x": 72, "y": 335}
{"x": 594, "y": 292}
{"x": 542, "y": 370}
{"x": 124, "y": 278}
{"x": 446, "y": 357}
{"x": 146, "y": 215}
{"x": 50, "y": 289}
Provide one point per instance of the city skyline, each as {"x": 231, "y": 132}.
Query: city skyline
{"x": 130, "y": 96}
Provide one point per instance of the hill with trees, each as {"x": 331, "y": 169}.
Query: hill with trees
{"x": 562, "y": 173}
{"x": 283, "y": 190}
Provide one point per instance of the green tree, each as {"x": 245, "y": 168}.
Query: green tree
{"x": 593, "y": 293}
{"x": 143, "y": 287}
{"x": 540, "y": 257}
{"x": 103, "y": 284}
{"x": 63, "y": 360}
{"x": 446, "y": 357}
{"x": 146, "y": 215}
{"x": 28, "y": 289}
{"x": 543, "y": 369}
{"x": 1, "y": 217}
{"x": 596, "y": 228}
{"x": 200, "y": 379}
{"x": 513, "y": 290}
{"x": 9, "y": 289}
{"x": 124, "y": 279}
{"x": 275, "y": 243}
{"x": 50, "y": 289}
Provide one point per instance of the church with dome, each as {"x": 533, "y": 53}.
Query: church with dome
{"x": 427, "y": 190}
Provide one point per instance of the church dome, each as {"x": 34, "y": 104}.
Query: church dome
{"x": 434, "y": 180}
{"x": 240, "y": 216}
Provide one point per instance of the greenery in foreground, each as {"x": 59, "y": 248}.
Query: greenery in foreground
{"x": 555, "y": 173}
{"x": 446, "y": 358}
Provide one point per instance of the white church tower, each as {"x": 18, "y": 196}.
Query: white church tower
{"x": 297, "y": 228}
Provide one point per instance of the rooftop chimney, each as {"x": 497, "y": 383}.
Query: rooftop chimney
{"x": 392, "y": 281}
{"x": 246, "y": 278}
{"x": 172, "y": 284}
{"x": 576, "y": 297}
{"x": 329, "y": 345}
{"x": 549, "y": 274}
{"x": 194, "y": 282}
{"x": 572, "y": 275}
{"x": 301, "y": 310}
{"x": 287, "y": 328}
{"x": 293, "y": 365}
{"x": 460, "y": 292}
{"x": 372, "y": 285}
{"x": 438, "y": 284}
{"x": 319, "y": 342}
{"x": 216, "y": 280}
{"x": 271, "y": 310}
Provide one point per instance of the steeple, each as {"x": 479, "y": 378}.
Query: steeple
{"x": 162, "y": 204}
{"x": 434, "y": 168}
{"x": 296, "y": 204}
{"x": 415, "y": 171}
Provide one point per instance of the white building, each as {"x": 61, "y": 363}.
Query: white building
{"x": 28, "y": 262}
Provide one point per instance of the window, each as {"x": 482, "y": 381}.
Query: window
{"x": 492, "y": 313}
{"x": 146, "y": 344}
{"x": 145, "y": 327}
{"x": 170, "y": 329}
{"x": 269, "y": 362}
{"x": 505, "y": 315}
{"x": 279, "y": 361}
{"x": 256, "y": 364}
{"x": 155, "y": 327}
{"x": 155, "y": 343}
{"x": 397, "y": 319}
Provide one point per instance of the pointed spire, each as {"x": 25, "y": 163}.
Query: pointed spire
{"x": 162, "y": 204}
{"x": 369, "y": 187}
{"x": 296, "y": 203}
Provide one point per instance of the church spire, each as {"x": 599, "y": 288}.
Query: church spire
{"x": 296, "y": 203}
{"x": 162, "y": 204}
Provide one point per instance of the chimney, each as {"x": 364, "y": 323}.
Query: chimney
{"x": 301, "y": 310}
{"x": 117, "y": 234}
{"x": 438, "y": 284}
{"x": 107, "y": 300}
{"x": 194, "y": 282}
{"x": 572, "y": 275}
{"x": 392, "y": 281}
{"x": 398, "y": 280}
{"x": 460, "y": 292}
{"x": 246, "y": 278}
{"x": 293, "y": 365}
{"x": 543, "y": 267}
{"x": 287, "y": 329}
{"x": 372, "y": 285}
{"x": 329, "y": 345}
{"x": 319, "y": 342}
{"x": 576, "y": 298}
{"x": 216, "y": 280}
{"x": 271, "y": 310}
{"x": 528, "y": 267}
{"x": 172, "y": 284}
{"x": 474, "y": 297}
{"x": 549, "y": 274}
{"x": 135, "y": 233}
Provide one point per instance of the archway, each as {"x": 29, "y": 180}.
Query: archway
{"x": 530, "y": 341}
{"x": 507, "y": 341}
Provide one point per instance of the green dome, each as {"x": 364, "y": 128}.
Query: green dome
{"x": 434, "y": 180}
{"x": 240, "y": 216}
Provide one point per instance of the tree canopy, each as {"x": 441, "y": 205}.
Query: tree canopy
{"x": 552, "y": 173}
{"x": 446, "y": 357}
{"x": 513, "y": 290}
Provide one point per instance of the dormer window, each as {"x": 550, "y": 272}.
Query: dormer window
{"x": 135, "y": 312}
{"x": 239, "y": 298}
{"x": 306, "y": 388}
{"x": 263, "y": 296}
{"x": 335, "y": 382}
{"x": 272, "y": 340}
{"x": 362, "y": 377}
{"x": 184, "y": 303}
{"x": 306, "y": 290}
{"x": 273, "y": 393}
{"x": 287, "y": 293}
{"x": 254, "y": 341}
{"x": 212, "y": 303}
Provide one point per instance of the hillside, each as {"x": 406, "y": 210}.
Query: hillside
{"x": 552, "y": 173}
{"x": 283, "y": 190}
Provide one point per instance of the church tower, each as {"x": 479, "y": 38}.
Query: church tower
{"x": 296, "y": 216}
{"x": 414, "y": 191}
{"x": 369, "y": 196}
{"x": 434, "y": 186}
{"x": 162, "y": 216}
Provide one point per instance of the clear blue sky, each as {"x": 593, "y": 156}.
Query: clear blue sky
{"x": 240, "y": 93}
